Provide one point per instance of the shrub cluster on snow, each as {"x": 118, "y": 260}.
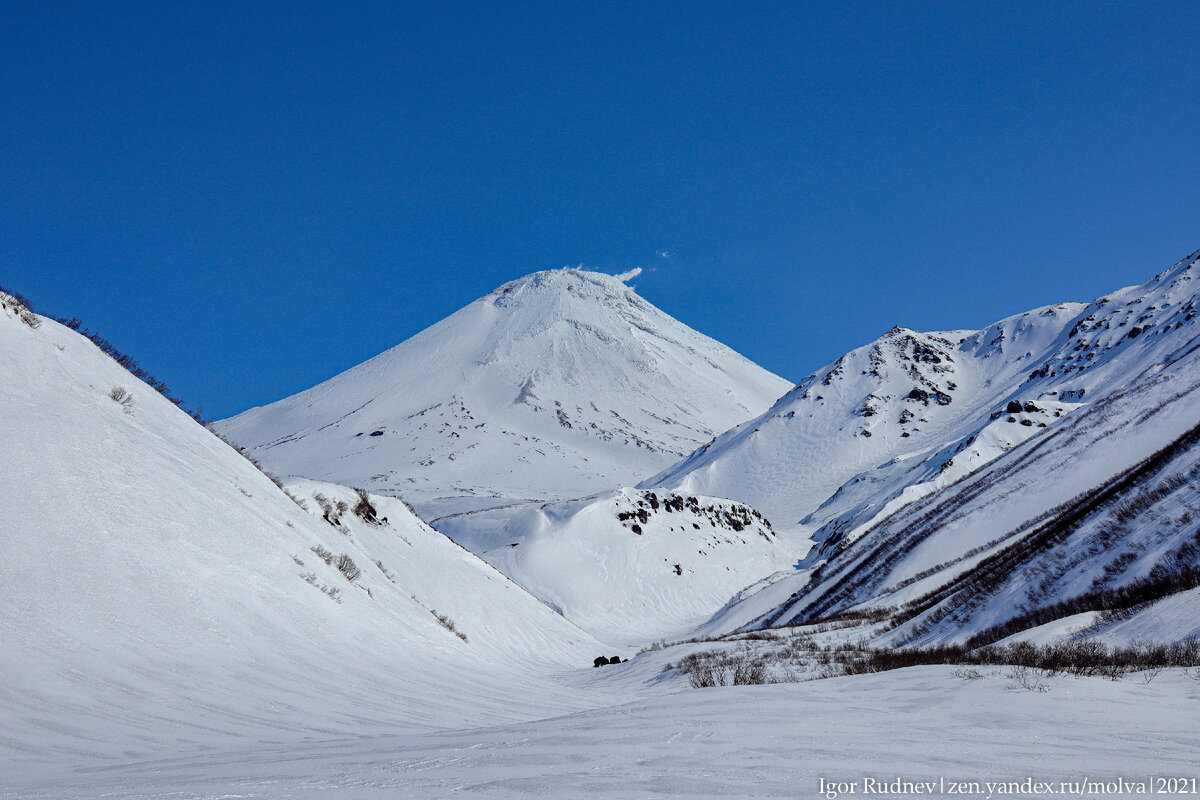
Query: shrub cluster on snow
{"x": 127, "y": 361}
{"x": 789, "y": 657}
{"x": 122, "y": 398}
{"x": 19, "y": 305}
{"x": 1036, "y": 547}
{"x": 448, "y": 624}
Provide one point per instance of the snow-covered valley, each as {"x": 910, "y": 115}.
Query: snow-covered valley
{"x": 588, "y": 479}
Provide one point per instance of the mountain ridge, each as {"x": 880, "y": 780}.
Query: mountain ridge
{"x": 909, "y": 395}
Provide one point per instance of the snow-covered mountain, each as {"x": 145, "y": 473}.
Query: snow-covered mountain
{"x": 985, "y": 481}
{"x": 1099, "y": 511}
{"x": 555, "y": 386}
{"x": 163, "y": 595}
{"x": 912, "y": 412}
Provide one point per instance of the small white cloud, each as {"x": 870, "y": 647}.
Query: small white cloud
{"x": 626, "y": 277}
{"x": 664, "y": 254}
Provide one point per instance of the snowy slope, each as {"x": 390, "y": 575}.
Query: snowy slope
{"x": 554, "y": 386}
{"x": 162, "y": 595}
{"x": 632, "y": 566}
{"x": 906, "y": 415}
{"x": 1104, "y": 501}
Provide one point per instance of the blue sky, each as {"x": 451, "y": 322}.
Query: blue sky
{"x": 251, "y": 197}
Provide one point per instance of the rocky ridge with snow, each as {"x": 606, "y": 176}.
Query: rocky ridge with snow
{"x": 1065, "y": 482}
{"x": 908, "y": 414}
{"x": 634, "y": 566}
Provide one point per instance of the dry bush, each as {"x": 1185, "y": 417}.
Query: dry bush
{"x": 122, "y": 398}
{"x": 331, "y": 511}
{"x": 967, "y": 673}
{"x": 346, "y": 566}
{"x": 20, "y": 305}
{"x": 799, "y": 658}
{"x": 448, "y": 624}
{"x": 722, "y": 668}
{"x": 1028, "y": 679}
{"x": 364, "y": 509}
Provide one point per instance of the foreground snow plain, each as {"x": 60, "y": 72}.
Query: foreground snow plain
{"x": 920, "y": 724}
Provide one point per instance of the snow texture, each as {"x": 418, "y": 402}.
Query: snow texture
{"x": 759, "y": 741}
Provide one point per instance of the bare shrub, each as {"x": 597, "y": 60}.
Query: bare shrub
{"x": 330, "y": 510}
{"x": 346, "y": 566}
{"x": 364, "y": 509}
{"x": 20, "y": 305}
{"x": 332, "y": 592}
{"x": 322, "y": 553}
{"x": 127, "y": 361}
{"x": 799, "y": 658}
{"x": 709, "y": 668}
{"x": 448, "y": 624}
{"x": 1028, "y": 679}
{"x": 1085, "y": 657}
{"x": 122, "y": 398}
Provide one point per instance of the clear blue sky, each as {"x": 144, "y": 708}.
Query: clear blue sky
{"x": 252, "y": 197}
